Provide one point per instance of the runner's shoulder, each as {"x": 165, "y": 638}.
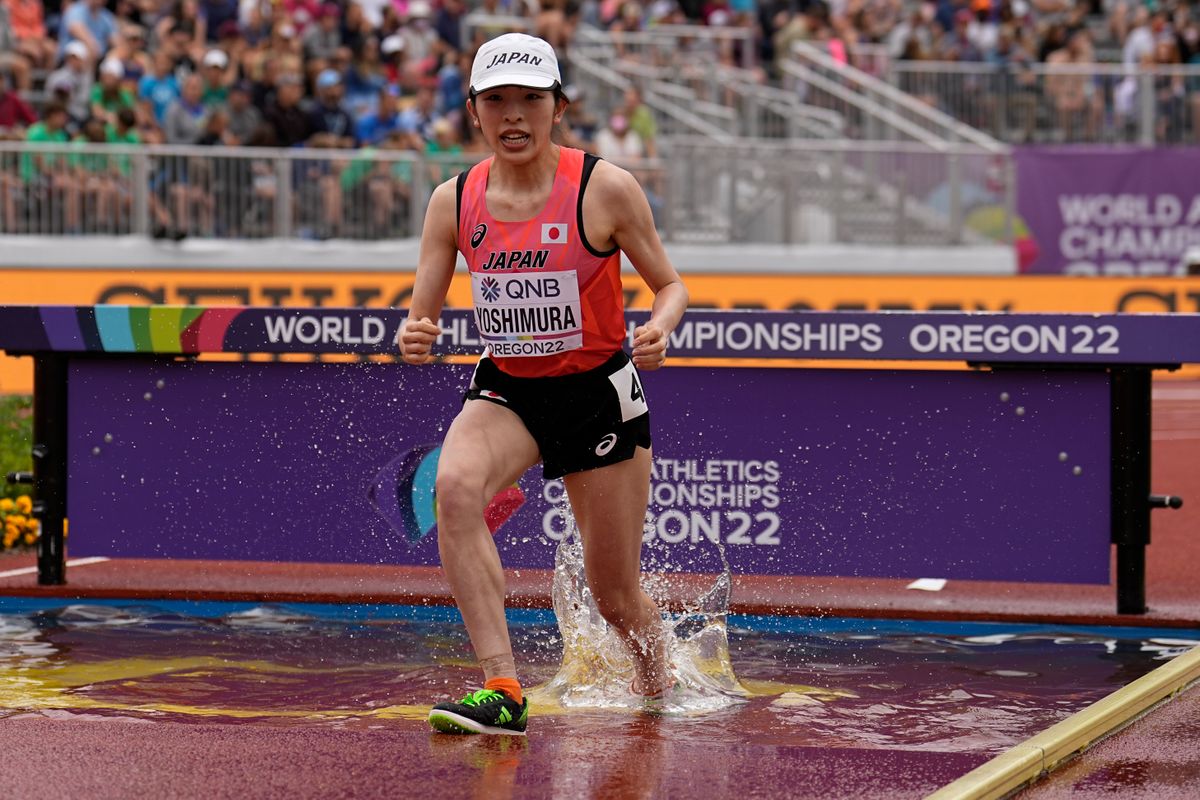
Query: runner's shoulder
{"x": 615, "y": 187}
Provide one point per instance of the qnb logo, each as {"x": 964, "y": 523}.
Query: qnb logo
{"x": 490, "y": 287}
{"x": 478, "y": 234}
{"x": 606, "y": 444}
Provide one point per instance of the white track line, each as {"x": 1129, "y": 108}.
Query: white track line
{"x": 79, "y": 562}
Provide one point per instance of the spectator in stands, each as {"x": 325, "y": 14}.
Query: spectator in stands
{"x": 329, "y": 116}
{"x": 28, "y": 26}
{"x": 188, "y": 115}
{"x": 321, "y": 41}
{"x": 218, "y": 74}
{"x": 159, "y": 87}
{"x": 448, "y": 22}
{"x": 47, "y": 174}
{"x": 216, "y": 13}
{"x": 97, "y": 177}
{"x": 445, "y": 142}
{"x": 74, "y": 78}
{"x": 420, "y": 37}
{"x": 372, "y": 11}
{"x": 618, "y": 142}
{"x": 1078, "y": 106}
{"x": 420, "y": 116}
{"x": 1169, "y": 92}
{"x": 110, "y": 94}
{"x": 15, "y": 114}
{"x": 11, "y": 61}
{"x": 579, "y": 125}
{"x": 364, "y": 78}
{"x": 376, "y": 126}
{"x": 130, "y": 50}
{"x": 391, "y": 54}
{"x": 641, "y": 120}
{"x": 88, "y": 21}
{"x": 244, "y": 118}
{"x": 265, "y": 85}
{"x": 285, "y": 116}
{"x": 184, "y": 28}
{"x": 1140, "y": 41}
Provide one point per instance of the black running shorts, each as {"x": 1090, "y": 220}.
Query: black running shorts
{"x": 582, "y": 421}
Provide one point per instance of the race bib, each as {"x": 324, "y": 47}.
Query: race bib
{"x": 528, "y": 314}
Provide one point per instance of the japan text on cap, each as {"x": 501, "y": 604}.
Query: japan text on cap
{"x": 515, "y": 59}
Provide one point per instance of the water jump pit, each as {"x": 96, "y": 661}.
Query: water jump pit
{"x": 221, "y": 698}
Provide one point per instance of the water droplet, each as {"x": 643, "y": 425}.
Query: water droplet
{"x": 1020, "y": 411}
{"x": 147, "y": 396}
{"x": 95, "y": 451}
{"x": 1077, "y": 471}
{"x": 108, "y": 437}
{"x": 1004, "y": 397}
{"x": 1062, "y": 456}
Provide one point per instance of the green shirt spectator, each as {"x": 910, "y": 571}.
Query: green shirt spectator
{"x": 49, "y": 130}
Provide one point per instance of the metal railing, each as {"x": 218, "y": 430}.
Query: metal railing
{"x": 837, "y": 192}
{"x": 874, "y": 109}
{"x": 217, "y": 192}
{"x": 702, "y": 189}
{"x": 1076, "y": 103}
{"x": 675, "y": 45}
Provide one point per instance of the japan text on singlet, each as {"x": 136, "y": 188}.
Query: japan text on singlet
{"x": 546, "y": 302}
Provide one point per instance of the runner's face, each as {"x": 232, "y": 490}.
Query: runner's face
{"x": 516, "y": 121}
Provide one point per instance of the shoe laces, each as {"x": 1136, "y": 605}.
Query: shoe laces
{"x": 481, "y": 696}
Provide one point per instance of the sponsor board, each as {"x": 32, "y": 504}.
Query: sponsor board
{"x": 375, "y": 289}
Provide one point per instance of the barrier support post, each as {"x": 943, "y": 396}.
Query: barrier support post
{"x": 50, "y": 463}
{"x": 1131, "y": 484}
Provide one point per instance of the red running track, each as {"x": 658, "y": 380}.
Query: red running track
{"x": 81, "y": 757}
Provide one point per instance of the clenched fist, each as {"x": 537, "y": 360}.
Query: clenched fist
{"x": 416, "y": 339}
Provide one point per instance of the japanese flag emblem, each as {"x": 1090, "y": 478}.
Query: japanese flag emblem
{"x": 554, "y": 233}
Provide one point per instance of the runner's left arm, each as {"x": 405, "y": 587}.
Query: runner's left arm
{"x": 632, "y": 226}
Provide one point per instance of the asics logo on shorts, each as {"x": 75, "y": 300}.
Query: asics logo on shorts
{"x": 606, "y": 444}
{"x": 490, "y": 288}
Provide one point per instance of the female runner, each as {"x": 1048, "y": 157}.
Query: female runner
{"x": 542, "y": 229}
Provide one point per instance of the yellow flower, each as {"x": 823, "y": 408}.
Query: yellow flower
{"x": 9, "y": 539}
{"x": 7, "y": 504}
{"x": 15, "y": 519}
{"x": 24, "y": 504}
{"x": 11, "y": 530}
{"x": 30, "y": 538}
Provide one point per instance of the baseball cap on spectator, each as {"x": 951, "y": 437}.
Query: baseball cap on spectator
{"x": 216, "y": 58}
{"x": 419, "y": 9}
{"x": 515, "y": 59}
{"x": 113, "y": 67}
{"x": 392, "y": 45}
{"x": 78, "y": 49}
{"x": 327, "y": 78}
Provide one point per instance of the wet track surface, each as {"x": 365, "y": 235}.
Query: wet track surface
{"x": 217, "y": 699}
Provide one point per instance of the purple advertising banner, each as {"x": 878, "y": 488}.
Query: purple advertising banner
{"x": 1126, "y": 211}
{"x": 984, "y": 475}
{"x": 996, "y": 338}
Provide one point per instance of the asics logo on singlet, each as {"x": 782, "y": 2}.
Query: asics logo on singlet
{"x": 478, "y": 234}
{"x": 606, "y": 444}
{"x": 490, "y": 289}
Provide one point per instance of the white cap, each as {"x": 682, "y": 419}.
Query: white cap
{"x": 515, "y": 59}
{"x": 392, "y": 44}
{"x": 112, "y": 66}
{"x": 78, "y": 49}
{"x": 216, "y": 58}
{"x": 419, "y": 8}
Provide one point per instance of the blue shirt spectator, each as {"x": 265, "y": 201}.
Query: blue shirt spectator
{"x": 91, "y": 23}
{"x": 160, "y": 91}
{"x": 378, "y": 125}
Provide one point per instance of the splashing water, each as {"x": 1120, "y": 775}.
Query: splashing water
{"x": 597, "y": 668}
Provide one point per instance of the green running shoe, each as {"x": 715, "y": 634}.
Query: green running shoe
{"x": 483, "y": 711}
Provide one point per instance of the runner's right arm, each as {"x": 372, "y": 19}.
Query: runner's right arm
{"x": 435, "y": 268}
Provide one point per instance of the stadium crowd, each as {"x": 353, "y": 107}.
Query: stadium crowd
{"x": 390, "y": 74}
